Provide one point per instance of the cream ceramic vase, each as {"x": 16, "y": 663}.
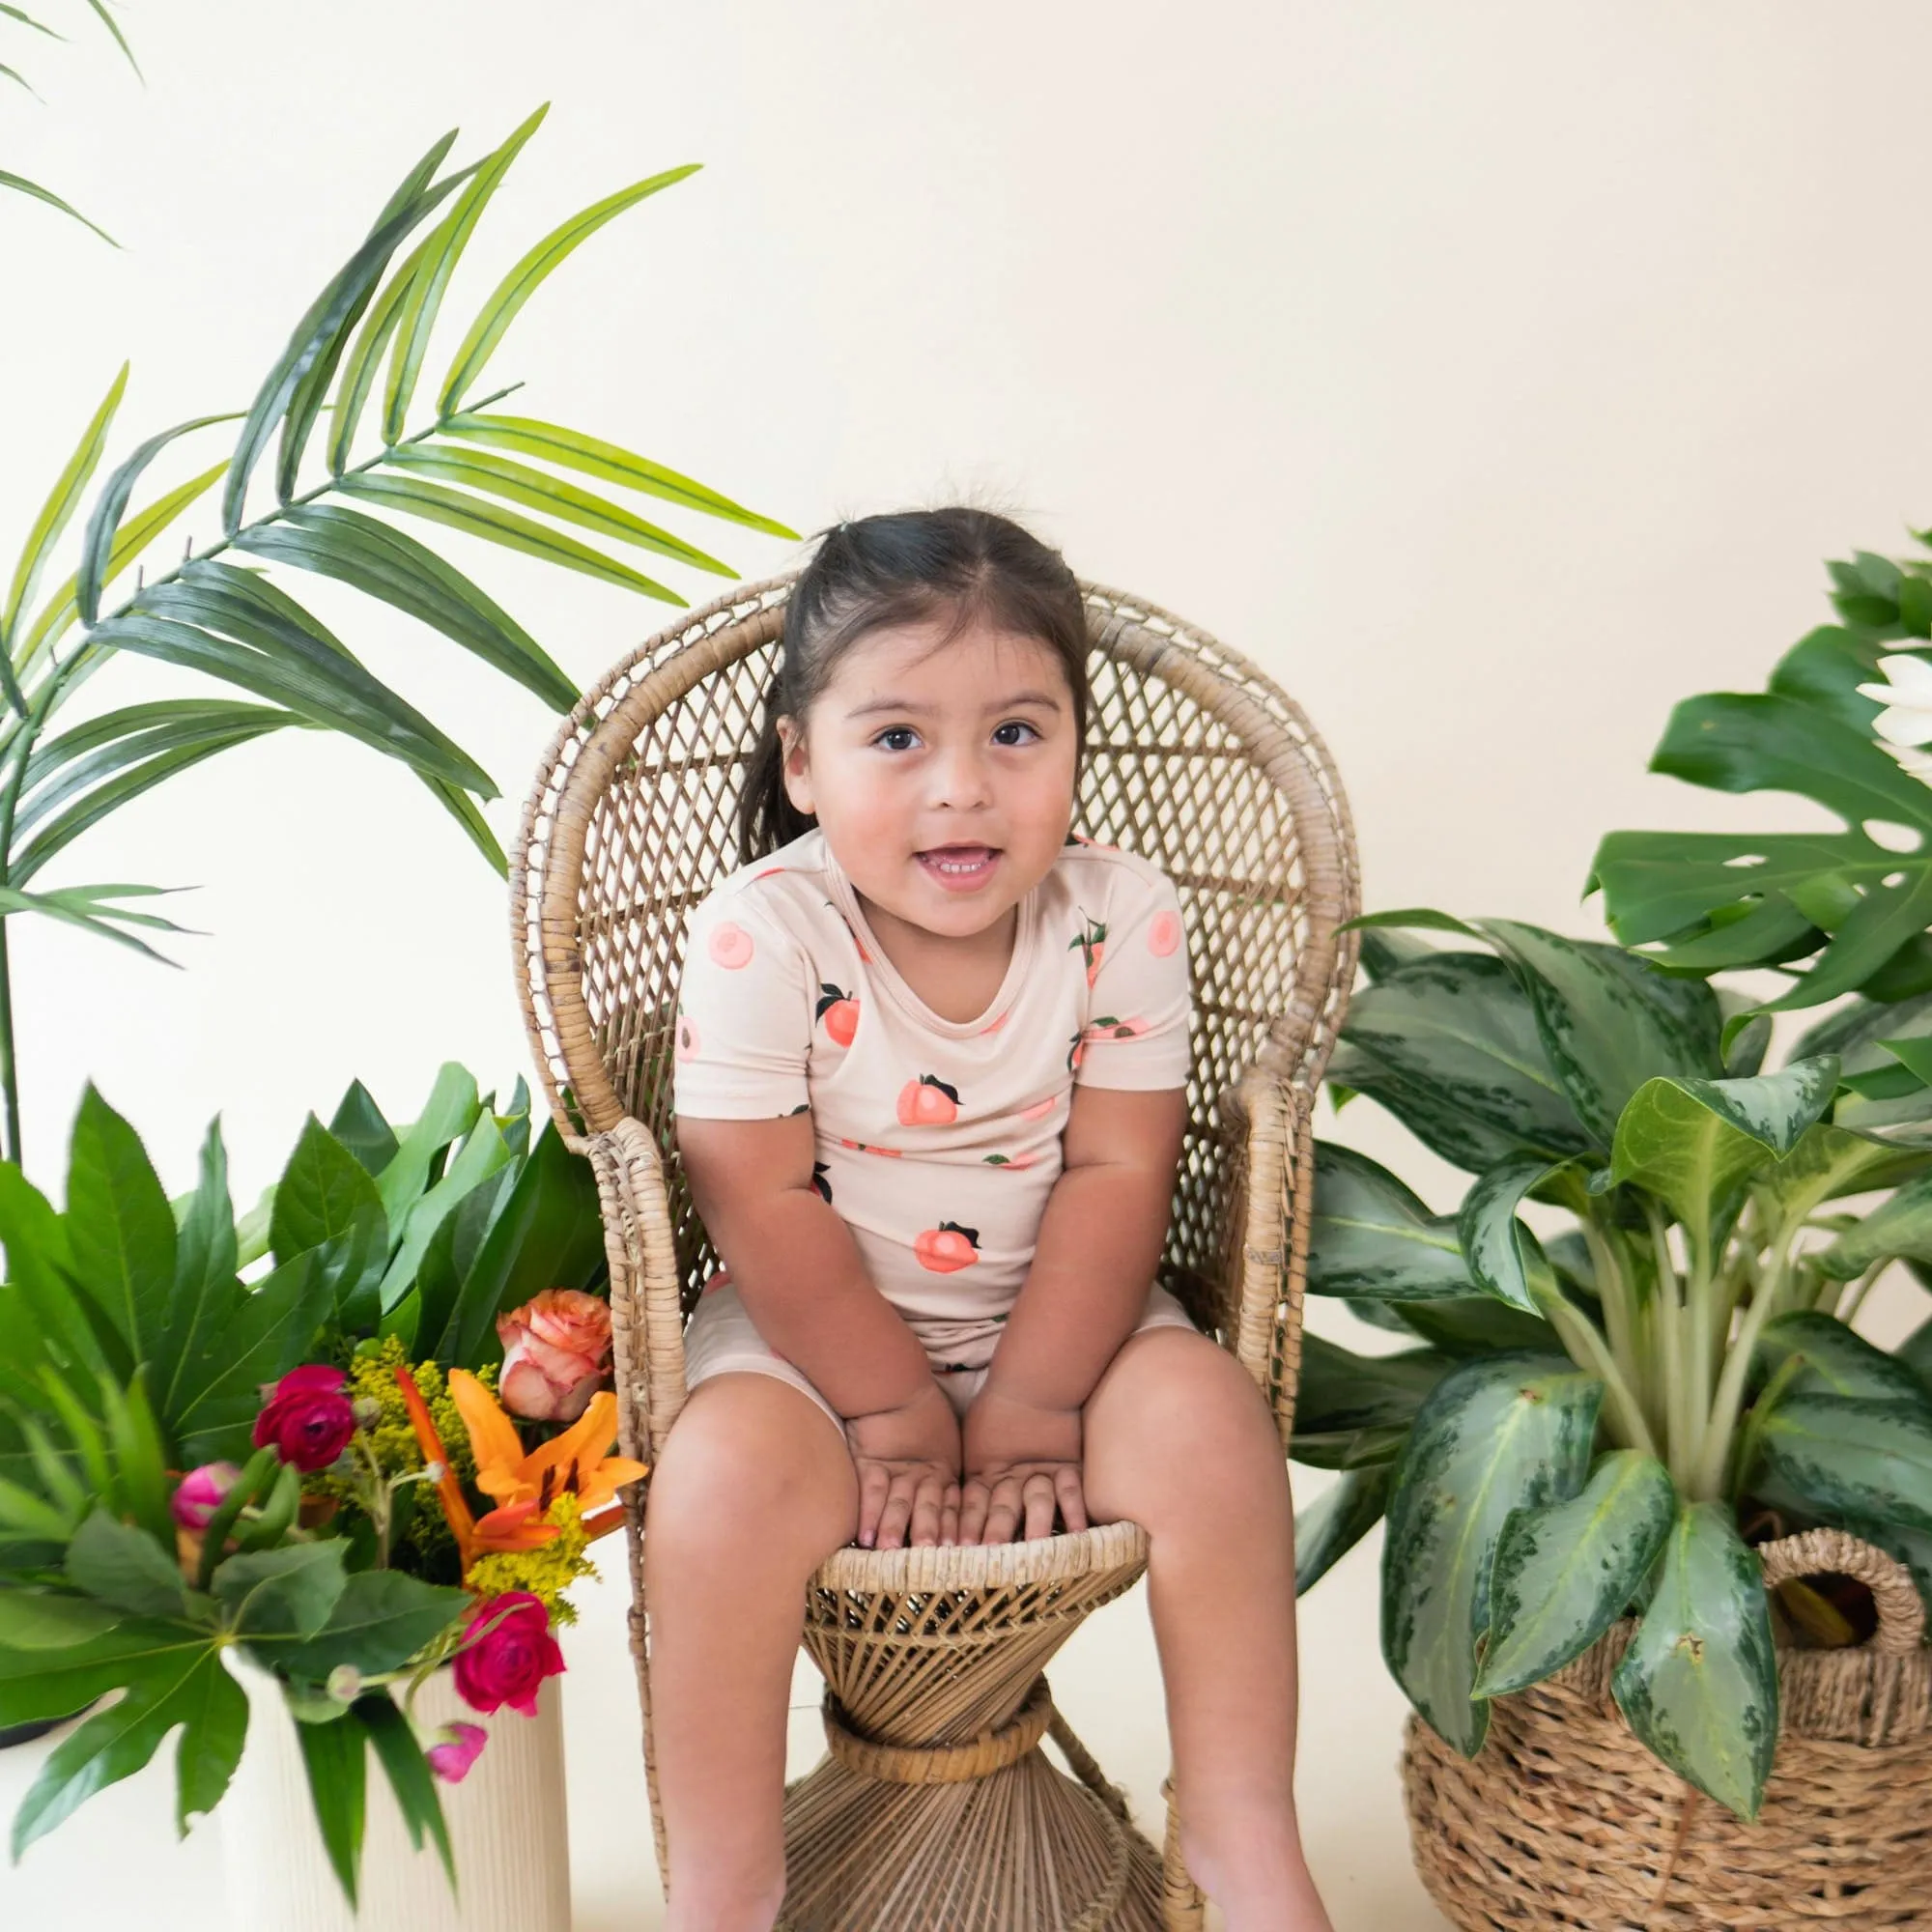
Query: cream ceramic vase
{"x": 507, "y": 1828}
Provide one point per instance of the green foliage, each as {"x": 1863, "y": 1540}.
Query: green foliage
{"x": 16, "y": 24}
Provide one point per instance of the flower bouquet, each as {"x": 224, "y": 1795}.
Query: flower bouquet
{"x": 385, "y": 1454}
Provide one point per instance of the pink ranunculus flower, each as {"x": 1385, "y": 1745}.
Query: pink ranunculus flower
{"x": 307, "y": 1419}
{"x": 201, "y": 1492}
{"x": 508, "y": 1652}
{"x": 457, "y": 1748}
{"x": 557, "y": 1353}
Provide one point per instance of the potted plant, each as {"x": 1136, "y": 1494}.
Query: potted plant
{"x": 1600, "y": 1439}
{"x": 296, "y": 1509}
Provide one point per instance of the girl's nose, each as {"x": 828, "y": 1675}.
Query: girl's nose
{"x": 961, "y": 779}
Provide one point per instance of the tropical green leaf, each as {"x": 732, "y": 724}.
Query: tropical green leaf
{"x": 1476, "y": 1324}
{"x": 1448, "y": 1043}
{"x": 1831, "y": 1359}
{"x": 449, "y": 1113}
{"x": 21, "y": 186}
{"x": 359, "y": 366}
{"x": 381, "y": 1619}
{"x": 120, "y": 1230}
{"x": 103, "y": 523}
{"x": 321, "y": 1193}
{"x": 1695, "y": 1142}
{"x": 358, "y": 1124}
{"x": 1511, "y": 1432}
{"x": 518, "y": 483}
{"x": 27, "y": 21}
{"x": 523, "y": 281}
{"x": 1351, "y": 1411}
{"x": 1901, "y": 1225}
{"x": 1847, "y": 1455}
{"x": 337, "y": 1762}
{"x": 462, "y": 808}
{"x": 1565, "y": 1573}
{"x": 58, "y": 510}
{"x": 1369, "y": 1235}
{"x": 124, "y": 1567}
{"x": 444, "y": 248}
{"x": 39, "y": 1268}
{"x": 482, "y": 1154}
{"x": 282, "y": 1593}
{"x": 477, "y": 517}
{"x": 386, "y": 563}
{"x": 190, "y": 1691}
{"x": 1699, "y": 1682}
{"x": 41, "y": 1620}
{"x": 1338, "y": 1518}
{"x": 572, "y": 449}
{"x": 410, "y": 1776}
{"x": 1491, "y": 1237}
{"x": 99, "y": 11}
{"x": 205, "y": 1290}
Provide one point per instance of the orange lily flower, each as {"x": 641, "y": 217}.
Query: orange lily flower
{"x": 524, "y": 1482}
{"x": 455, "y": 1505}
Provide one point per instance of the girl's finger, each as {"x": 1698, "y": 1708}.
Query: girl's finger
{"x": 1072, "y": 1499}
{"x": 873, "y": 1483}
{"x": 974, "y": 1503}
{"x": 897, "y": 1512}
{"x": 1039, "y": 1498}
{"x": 925, "y": 1526}
{"x": 1003, "y": 1512}
{"x": 949, "y": 1516}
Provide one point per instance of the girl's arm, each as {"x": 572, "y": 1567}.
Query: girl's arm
{"x": 1100, "y": 1240}
{"x": 798, "y": 1273}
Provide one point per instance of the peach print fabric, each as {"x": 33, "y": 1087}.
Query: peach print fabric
{"x": 938, "y": 1141}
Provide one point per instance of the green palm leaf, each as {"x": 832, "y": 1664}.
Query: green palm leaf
{"x": 91, "y": 908}
{"x": 21, "y": 186}
{"x": 427, "y": 286}
{"x": 523, "y": 281}
{"x": 13, "y": 74}
{"x": 387, "y": 563}
{"x": 108, "y": 22}
{"x": 359, "y": 365}
{"x": 475, "y": 517}
{"x": 573, "y": 450}
{"x": 518, "y": 483}
{"x": 28, "y": 20}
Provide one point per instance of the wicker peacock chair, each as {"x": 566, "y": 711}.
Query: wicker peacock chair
{"x": 936, "y": 1810}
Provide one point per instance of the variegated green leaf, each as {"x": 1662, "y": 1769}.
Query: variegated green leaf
{"x": 1336, "y": 1520}
{"x": 1847, "y": 1455}
{"x": 1491, "y": 1237}
{"x": 1565, "y": 1573}
{"x": 1370, "y": 1236}
{"x": 1825, "y": 1357}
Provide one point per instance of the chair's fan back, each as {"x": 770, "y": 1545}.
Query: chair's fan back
{"x": 1193, "y": 759}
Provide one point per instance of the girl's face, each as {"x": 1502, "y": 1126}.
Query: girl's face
{"x": 940, "y": 774}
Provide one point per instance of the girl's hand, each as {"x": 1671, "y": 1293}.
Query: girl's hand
{"x": 908, "y": 1464}
{"x": 1022, "y": 1464}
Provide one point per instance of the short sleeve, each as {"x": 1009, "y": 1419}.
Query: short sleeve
{"x": 1139, "y": 1002}
{"x": 744, "y": 1015}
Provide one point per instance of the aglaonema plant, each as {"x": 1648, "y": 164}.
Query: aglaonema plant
{"x": 1587, "y": 1424}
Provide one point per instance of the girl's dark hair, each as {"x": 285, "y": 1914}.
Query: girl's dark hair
{"x": 908, "y": 567}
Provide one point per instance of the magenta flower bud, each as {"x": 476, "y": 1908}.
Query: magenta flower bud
{"x": 200, "y": 1493}
{"x": 458, "y": 1747}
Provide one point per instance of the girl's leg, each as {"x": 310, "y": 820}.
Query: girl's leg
{"x": 1179, "y": 1439}
{"x": 753, "y": 1491}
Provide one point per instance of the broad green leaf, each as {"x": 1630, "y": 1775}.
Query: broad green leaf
{"x": 1769, "y": 932}
{"x": 322, "y": 1191}
{"x": 523, "y": 281}
{"x": 1828, "y": 1162}
{"x": 140, "y": 1490}
{"x": 103, "y": 523}
{"x": 381, "y": 1619}
{"x": 1491, "y": 1237}
{"x": 449, "y": 1115}
{"x": 338, "y": 1763}
{"x": 357, "y": 1124}
{"x": 1699, "y": 1682}
{"x": 1846, "y": 1455}
{"x": 410, "y": 1776}
{"x": 1476, "y": 1324}
{"x": 1352, "y": 1411}
{"x": 38, "y": 1683}
{"x": 1369, "y": 1235}
{"x": 23, "y": 1513}
{"x": 549, "y": 1235}
{"x": 1565, "y": 1573}
{"x": 41, "y": 1620}
{"x": 205, "y": 1291}
{"x": 1338, "y": 1519}
{"x": 1694, "y": 1141}
{"x": 190, "y": 1691}
{"x": 119, "y": 1228}
{"x": 572, "y": 449}
{"x": 1511, "y": 1432}
{"x": 482, "y": 1153}
{"x": 386, "y": 563}
{"x": 125, "y": 1568}
{"x": 40, "y": 1267}
{"x": 1833, "y": 1360}
{"x": 1901, "y": 1225}
{"x": 320, "y": 336}
{"x": 518, "y": 483}
{"x": 58, "y": 510}
{"x": 478, "y": 517}
{"x": 21, "y": 186}
{"x": 282, "y": 1593}
{"x": 440, "y": 254}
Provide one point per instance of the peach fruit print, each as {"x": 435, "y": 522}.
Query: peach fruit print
{"x": 840, "y": 1011}
{"x": 1092, "y": 940}
{"x": 731, "y": 945}
{"x": 947, "y": 1247}
{"x": 928, "y": 1103}
{"x": 1164, "y": 934}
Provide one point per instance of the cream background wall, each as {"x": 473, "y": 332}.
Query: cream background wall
{"x": 1496, "y": 373}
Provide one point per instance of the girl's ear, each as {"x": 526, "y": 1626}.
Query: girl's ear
{"x": 795, "y": 766}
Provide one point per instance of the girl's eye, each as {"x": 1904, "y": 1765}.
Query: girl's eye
{"x": 897, "y": 738}
{"x": 1014, "y": 724}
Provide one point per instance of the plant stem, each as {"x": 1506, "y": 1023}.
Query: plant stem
{"x": 1668, "y": 1307}
{"x": 1847, "y": 1309}
{"x": 1727, "y": 1403}
{"x": 1589, "y": 1351}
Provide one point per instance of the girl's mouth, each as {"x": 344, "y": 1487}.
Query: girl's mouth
{"x": 959, "y": 868}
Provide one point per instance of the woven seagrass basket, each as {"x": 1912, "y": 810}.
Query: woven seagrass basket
{"x": 1564, "y": 1820}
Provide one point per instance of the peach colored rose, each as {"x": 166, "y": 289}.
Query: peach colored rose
{"x": 557, "y": 1352}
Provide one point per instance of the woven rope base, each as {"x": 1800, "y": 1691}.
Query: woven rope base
{"x": 936, "y": 1809}
{"x": 1564, "y": 1820}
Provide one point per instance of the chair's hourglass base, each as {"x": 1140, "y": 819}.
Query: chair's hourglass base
{"x": 936, "y": 1809}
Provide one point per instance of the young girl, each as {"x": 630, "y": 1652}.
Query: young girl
{"x": 930, "y": 1060}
